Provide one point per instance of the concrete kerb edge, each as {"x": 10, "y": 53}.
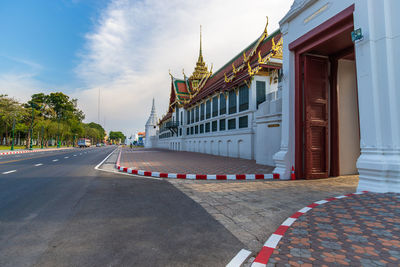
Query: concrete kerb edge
{"x": 272, "y": 242}
{"x": 221, "y": 177}
{"x": 31, "y": 151}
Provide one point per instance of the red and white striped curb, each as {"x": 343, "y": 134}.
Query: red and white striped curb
{"x": 269, "y": 246}
{"x": 30, "y": 151}
{"x": 196, "y": 176}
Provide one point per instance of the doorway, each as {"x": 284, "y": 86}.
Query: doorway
{"x": 327, "y": 141}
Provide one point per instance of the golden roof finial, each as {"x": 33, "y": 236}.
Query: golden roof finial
{"x": 201, "y": 50}
{"x": 169, "y": 72}
{"x": 201, "y": 69}
{"x": 266, "y": 28}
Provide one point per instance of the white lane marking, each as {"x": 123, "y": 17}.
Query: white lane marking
{"x": 55, "y": 159}
{"x": 9, "y": 172}
{"x": 39, "y": 164}
{"x": 101, "y": 163}
{"x": 122, "y": 173}
{"x": 239, "y": 258}
{"x": 66, "y": 157}
{"x": 74, "y": 155}
{"x": 80, "y": 153}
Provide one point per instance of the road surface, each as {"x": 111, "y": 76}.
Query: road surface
{"x": 57, "y": 210}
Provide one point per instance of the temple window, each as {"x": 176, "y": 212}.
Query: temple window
{"x": 260, "y": 92}
{"x": 243, "y": 98}
{"x": 215, "y": 106}
{"x": 208, "y": 109}
{"x": 243, "y": 122}
{"x": 222, "y": 104}
{"x": 214, "y": 126}
{"x": 202, "y": 111}
{"x": 207, "y": 127}
{"x": 222, "y": 123}
{"x": 232, "y": 124}
{"x": 197, "y": 114}
{"x": 232, "y": 102}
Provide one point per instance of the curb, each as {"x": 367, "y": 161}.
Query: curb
{"x": 28, "y": 151}
{"x": 272, "y": 242}
{"x": 268, "y": 176}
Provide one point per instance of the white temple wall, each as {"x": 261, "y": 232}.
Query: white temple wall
{"x": 378, "y": 82}
{"x": 268, "y": 131}
{"x": 379, "y": 97}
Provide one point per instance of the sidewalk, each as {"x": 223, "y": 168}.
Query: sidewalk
{"x": 360, "y": 230}
{"x": 168, "y": 161}
{"x": 253, "y": 210}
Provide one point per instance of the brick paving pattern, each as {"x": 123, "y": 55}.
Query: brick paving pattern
{"x": 253, "y": 210}
{"x": 361, "y": 230}
{"x": 168, "y": 161}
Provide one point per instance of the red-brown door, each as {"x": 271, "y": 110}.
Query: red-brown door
{"x": 316, "y": 117}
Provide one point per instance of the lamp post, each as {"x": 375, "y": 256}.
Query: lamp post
{"x": 31, "y": 130}
{"x": 12, "y": 135}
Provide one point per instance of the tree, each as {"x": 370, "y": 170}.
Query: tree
{"x": 10, "y": 110}
{"x": 117, "y": 136}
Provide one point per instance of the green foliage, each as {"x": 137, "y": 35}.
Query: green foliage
{"x": 117, "y": 136}
{"x": 54, "y": 116}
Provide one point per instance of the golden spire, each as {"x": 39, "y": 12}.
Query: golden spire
{"x": 201, "y": 69}
{"x": 201, "y": 51}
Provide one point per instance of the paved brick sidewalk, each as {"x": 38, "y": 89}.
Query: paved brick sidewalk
{"x": 361, "y": 230}
{"x": 168, "y": 161}
{"x": 253, "y": 210}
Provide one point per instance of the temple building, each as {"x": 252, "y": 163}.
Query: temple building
{"x": 229, "y": 112}
{"x": 321, "y": 95}
{"x": 341, "y": 80}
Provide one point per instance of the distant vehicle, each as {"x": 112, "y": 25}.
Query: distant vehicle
{"x": 98, "y": 145}
{"x": 83, "y": 142}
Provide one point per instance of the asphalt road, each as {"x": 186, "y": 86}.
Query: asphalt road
{"x": 57, "y": 210}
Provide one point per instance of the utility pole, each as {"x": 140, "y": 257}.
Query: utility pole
{"x": 98, "y": 109}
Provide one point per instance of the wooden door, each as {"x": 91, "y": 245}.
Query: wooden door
{"x": 316, "y": 117}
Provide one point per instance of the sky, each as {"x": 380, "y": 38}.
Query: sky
{"x": 121, "y": 50}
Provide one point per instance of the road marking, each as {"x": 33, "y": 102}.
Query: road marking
{"x": 9, "y": 172}
{"x": 66, "y": 157}
{"x": 239, "y": 258}
{"x": 55, "y": 159}
{"x": 74, "y": 155}
{"x": 39, "y": 164}
{"x": 98, "y": 165}
{"x": 80, "y": 153}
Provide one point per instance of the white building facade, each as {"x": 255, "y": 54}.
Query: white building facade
{"x": 230, "y": 112}
{"x": 341, "y": 112}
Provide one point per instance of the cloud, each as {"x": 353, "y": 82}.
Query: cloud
{"x": 19, "y": 85}
{"x": 134, "y": 43}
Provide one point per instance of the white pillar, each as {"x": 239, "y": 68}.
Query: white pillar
{"x": 284, "y": 158}
{"x": 378, "y": 76}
